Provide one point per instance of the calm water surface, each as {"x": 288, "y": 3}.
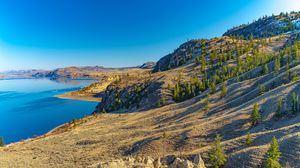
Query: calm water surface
{"x": 28, "y": 107}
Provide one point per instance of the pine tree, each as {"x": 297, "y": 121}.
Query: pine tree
{"x": 279, "y": 108}
{"x": 255, "y": 116}
{"x": 212, "y": 87}
{"x": 262, "y": 89}
{"x": 198, "y": 61}
{"x": 217, "y": 155}
{"x": 248, "y": 139}
{"x": 295, "y": 103}
{"x": 203, "y": 63}
{"x": 273, "y": 155}
{"x": 224, "y": 91}
{"x": 251, "y": 41}
{"x": 277, "y": 66}
{"x": 207, "y": 103}
{"x": 296, "y": 53}
{"x": 265, "y": 69}
{"x": 176, "y": 92}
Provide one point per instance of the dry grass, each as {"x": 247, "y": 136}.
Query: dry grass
{"x": 177, "y": 129}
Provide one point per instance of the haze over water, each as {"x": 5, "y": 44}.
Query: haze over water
{"x": 29, "y": 106}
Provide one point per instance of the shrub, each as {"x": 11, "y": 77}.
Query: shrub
{"x": 249, "y": 139}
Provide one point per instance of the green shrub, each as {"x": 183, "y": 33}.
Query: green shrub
{"x": 248, "y": 140}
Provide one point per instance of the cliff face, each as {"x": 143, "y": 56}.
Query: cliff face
{"x": 132, "y": 93}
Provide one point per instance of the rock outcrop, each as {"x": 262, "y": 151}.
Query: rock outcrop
{"x": 149, "y": 162}
{"x": 137, "y": 96}
{"x": 148, "y": 65}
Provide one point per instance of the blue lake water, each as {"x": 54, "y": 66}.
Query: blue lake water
{"x": 28, "y": 107}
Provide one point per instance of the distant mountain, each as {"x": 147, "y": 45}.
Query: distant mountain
{"x": 81, "y": 72}
{"x": 22, "y": 73}
{"x": 70, "y": 72}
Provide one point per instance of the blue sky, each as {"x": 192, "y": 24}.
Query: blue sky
{"x": 46, "y": 34}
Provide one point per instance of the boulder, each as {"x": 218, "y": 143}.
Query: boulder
{"x": 199, "y": 163}
{"x": 181, "y": 163}
{"x": 157, "y": 163}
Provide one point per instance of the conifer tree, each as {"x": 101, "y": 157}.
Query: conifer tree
{"x": 176, "y": 92}
{"x": 262, "y": 89}
{"x": 296, "y": 53}
{"x": 277, "y": 66}
{"x": 207, "y": 103}
{"x": 224, "y": 90}
{"x": 255, "y": 116}
{"x": 197, "y": 60}
{"x": 295, "y": 103}
{"x": 203, "y": 63}
{"x": 217, "y": 155}
{"x": 248, "y": 139}
{"x": 212, "y": 87}
{"x": 273, "y": 155}
{"x": 251, "y": 40}
{"x": 279, "y": 108}
{"x": 265, "y": 69}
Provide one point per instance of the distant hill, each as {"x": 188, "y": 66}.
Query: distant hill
{"x": 71, "y": 72}
{"x": 22, "y": 73}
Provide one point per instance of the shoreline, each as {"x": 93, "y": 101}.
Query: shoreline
{"x": 71, "y": 96}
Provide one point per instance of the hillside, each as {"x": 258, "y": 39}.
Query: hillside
{"x": 173, "y": 113}
{"x": 267, "y": 26}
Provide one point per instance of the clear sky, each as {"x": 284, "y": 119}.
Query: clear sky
{"x": 47, "y": 34}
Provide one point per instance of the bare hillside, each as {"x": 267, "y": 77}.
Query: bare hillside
{"x": 204, "y": 89}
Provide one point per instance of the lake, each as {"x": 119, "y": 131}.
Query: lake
{"x": 28, "y": 107}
